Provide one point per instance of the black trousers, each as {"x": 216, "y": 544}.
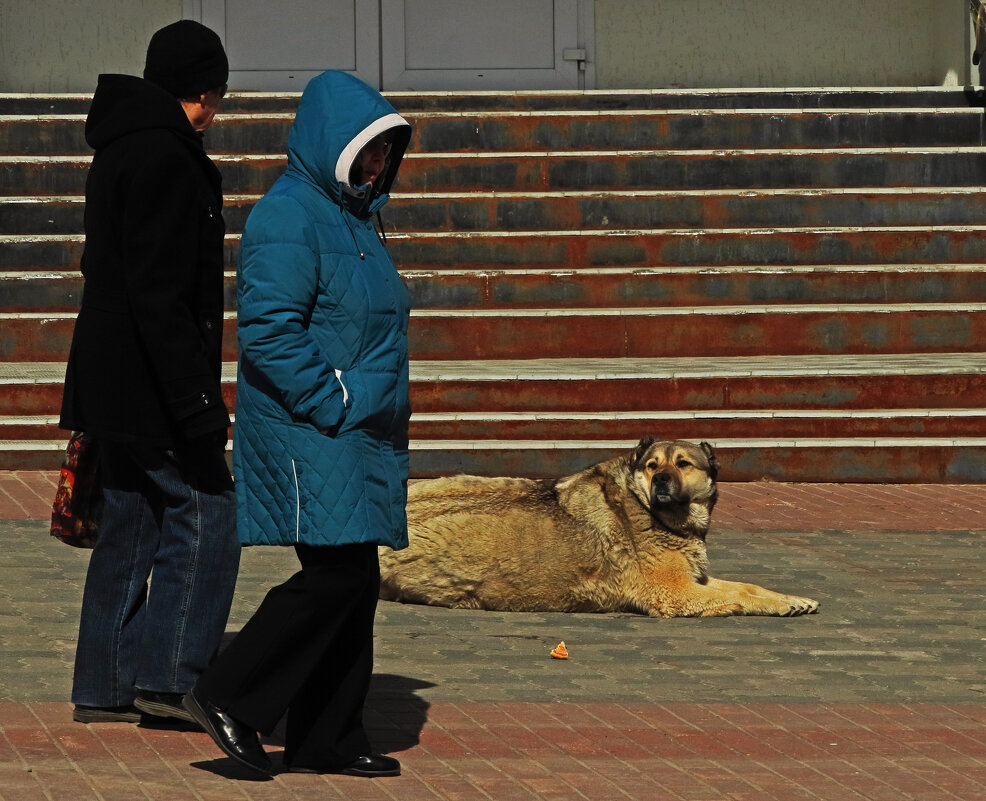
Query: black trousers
{"x": 308, "y": 652}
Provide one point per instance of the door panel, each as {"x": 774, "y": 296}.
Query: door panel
{"x": 477, "y": 44}
{"x": 282, "y": 46}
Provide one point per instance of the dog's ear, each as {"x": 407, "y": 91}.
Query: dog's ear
{"x": 710, "y": 454}
{"x": 640, "y": 452}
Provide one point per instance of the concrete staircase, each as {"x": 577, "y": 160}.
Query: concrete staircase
{"x": 795, "y": 276}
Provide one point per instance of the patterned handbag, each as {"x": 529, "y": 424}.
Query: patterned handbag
{"x": 78, "y": 507}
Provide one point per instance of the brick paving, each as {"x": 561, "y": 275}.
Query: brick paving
{"x": 879, "y": 696}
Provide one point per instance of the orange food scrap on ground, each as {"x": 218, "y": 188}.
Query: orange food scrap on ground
{"x": 560, "y": 652}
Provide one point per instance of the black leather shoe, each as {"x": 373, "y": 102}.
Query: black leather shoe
{"x": 372, "y": 766}
{"x": 162, "y": 705}
{"x": 234, "y": 738}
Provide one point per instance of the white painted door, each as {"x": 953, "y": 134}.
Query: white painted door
{"x": 484, "y": 44}
{"x": 280, "y": 46}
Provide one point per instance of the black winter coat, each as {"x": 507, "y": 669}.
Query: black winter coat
{"x": 146, "y": 354}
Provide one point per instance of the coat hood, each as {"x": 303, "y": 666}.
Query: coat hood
{"x": 337, "y": 116}
{"x": 123, "y": 104}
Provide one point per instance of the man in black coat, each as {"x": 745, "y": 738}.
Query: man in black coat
{"x": 144, "y": 379}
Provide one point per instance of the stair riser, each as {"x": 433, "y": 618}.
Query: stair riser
{"x": 631, "y": 290}
{"x": 652, "y": 171}
{"x": 629, "y": 251}
{"x": 699, "y": 335}
{"x": 603, "y": 395}
{"x": 703, "y": 394}
{"x": 595, "y": 100}
{"x": 671, "y": 428}
{"x": 689, "y": 131}
{"x": 701, "y": 248}
{"x": 617, "y": 336}
{"x": 482, "y": 213}
{"x": 698, "y": 429}
{"x": 955, "y": 465}
{"x": 35, "y": 399}
{"x": 755, "y": 210}
{"x": 685, "y": 171}
{"x": 679, "y": 131}
{"x": 599, "y": 290}
{"x": 822, "y": 465}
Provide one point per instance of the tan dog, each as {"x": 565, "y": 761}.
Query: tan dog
{"x": 627, "y": 534}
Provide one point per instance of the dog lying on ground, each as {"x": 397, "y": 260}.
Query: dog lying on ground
{"x": 627, "y": 534}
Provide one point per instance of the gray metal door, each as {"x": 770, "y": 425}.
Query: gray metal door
{"x": 483, "y": 44}
{"x": 281, "y": 46}
{"x": 405, "y": 44}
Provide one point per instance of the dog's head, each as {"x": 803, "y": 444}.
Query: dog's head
{"x": 676, "y": 481}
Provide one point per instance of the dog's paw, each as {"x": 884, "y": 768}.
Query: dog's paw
{"x": 800, "y": 606}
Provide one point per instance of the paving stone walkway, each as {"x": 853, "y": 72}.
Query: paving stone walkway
{"x": 882, "y": 695}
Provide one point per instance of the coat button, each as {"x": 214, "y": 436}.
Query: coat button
{"x": 205, "y": 399}
{"x": 208, "y": 324}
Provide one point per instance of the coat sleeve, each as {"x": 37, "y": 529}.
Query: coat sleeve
{"x": 161, "y": 235}
{"x": 277, "y": 287}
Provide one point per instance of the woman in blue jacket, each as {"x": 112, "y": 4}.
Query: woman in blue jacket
{"x": 321, "y": 442}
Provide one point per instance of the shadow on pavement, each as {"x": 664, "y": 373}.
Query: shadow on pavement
{"x": 394, "y": 714}
{"x": 231, "y": 769}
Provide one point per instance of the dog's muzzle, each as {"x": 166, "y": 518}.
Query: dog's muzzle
{"x": 662, "y": 488}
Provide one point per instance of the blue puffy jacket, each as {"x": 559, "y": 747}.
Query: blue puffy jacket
{"x": 322, "y": 408}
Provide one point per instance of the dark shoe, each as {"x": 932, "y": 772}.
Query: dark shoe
{"x": 162, "y": 705}
{"x": 105, "y": 714}
{"x": 372, "y": 766}
{"x": 369, "y": 766}
{"x": 234, "y": 738}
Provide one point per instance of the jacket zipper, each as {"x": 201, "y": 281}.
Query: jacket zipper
{"x": 352, "y": 234}
{"x": 297, "y": 502}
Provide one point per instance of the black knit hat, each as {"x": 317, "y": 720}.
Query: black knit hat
{"x": 186, "y": 59}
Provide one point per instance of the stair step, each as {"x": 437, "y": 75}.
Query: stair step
{"x": 702, "y": 332}
{"x": 645, "y": 209}
{"x": 637, "y": 249}
{"x": 835, "y": 382}
{"x": 665, "y": 247}
{"x": 683, "y": 130}
{"x": 506, "y": 130}
{"x": 535, "y": 425}
{"x": 781, "y": 384}
{"x": 601, "y": 99}
{"x": 810, "y": 460}
{"x": 894, "y": 460}
{"x": 691, "y": 425}
{"x": 603, "y": 287}
{"x": 583, "y": 170}
{"x": 671, "y": 169}
{"x": 646, "y": 332}
{"x": 696, "y": 286}
{"x": 463, "y": 212}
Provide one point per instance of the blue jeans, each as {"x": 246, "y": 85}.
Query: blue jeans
{"x": 171, "y": 517}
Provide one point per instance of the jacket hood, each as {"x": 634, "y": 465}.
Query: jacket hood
{"x": 337, "y": 116}
{"x": 123, "y": 104}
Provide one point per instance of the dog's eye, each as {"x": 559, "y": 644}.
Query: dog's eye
{"x": 683, "y": 463}
{"x": 652, "y": 465}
